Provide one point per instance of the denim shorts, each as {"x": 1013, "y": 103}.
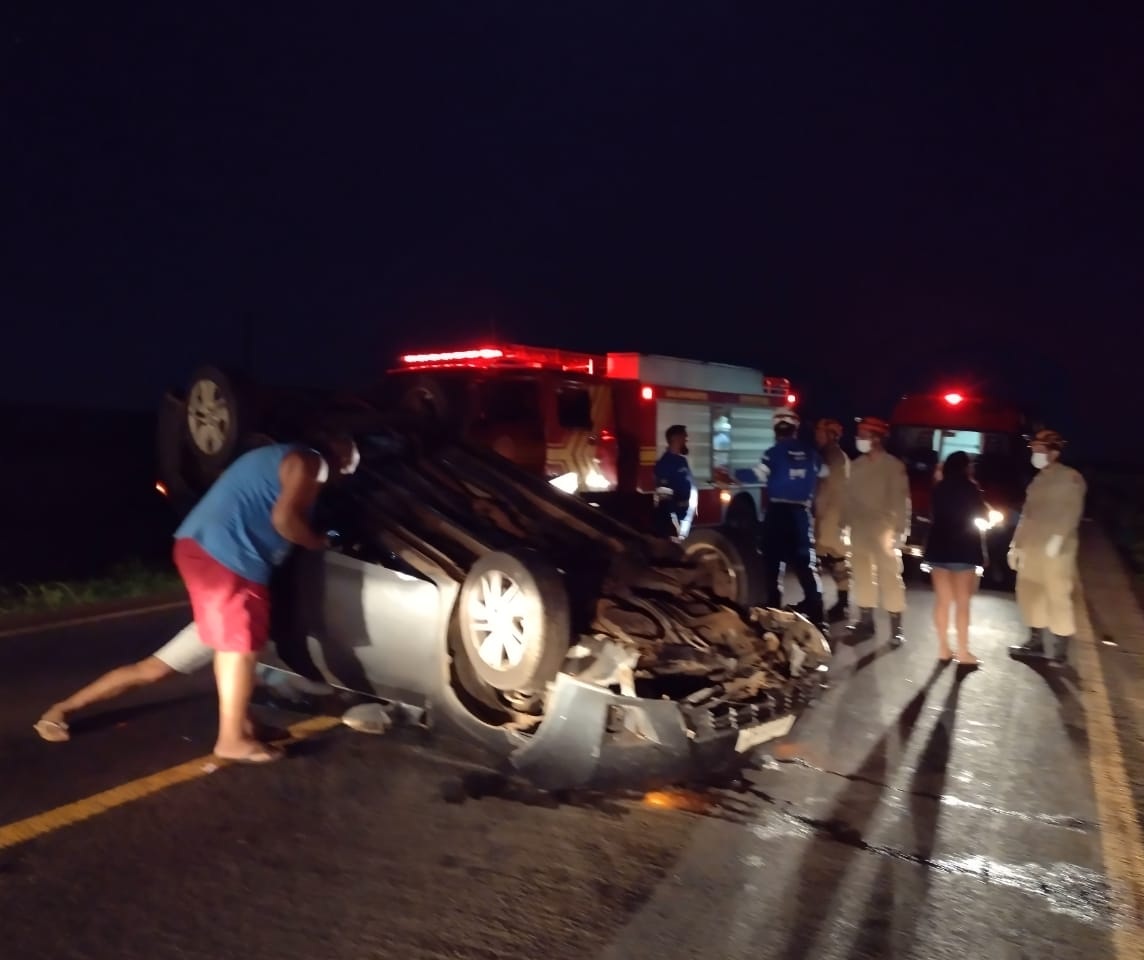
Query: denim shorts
{"x": 952, "y": 567}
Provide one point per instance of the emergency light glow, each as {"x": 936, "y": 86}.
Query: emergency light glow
{"x": 647, "y": 393}
{"x": 161, "y": 487}
{"x": 483, "y": 354}
{"x": 953, "y": 399}
{"x": 791, "y": 399}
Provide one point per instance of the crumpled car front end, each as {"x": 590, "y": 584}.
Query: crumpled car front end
{"x": 629, "y": 713}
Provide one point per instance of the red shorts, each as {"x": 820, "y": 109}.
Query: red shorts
{"x": 231, "y": 613}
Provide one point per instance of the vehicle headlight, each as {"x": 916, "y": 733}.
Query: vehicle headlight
{"x": 568, "y": 482}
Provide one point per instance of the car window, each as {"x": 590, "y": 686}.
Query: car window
{"x": 574, "y": 408}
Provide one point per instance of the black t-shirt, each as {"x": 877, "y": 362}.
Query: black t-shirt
{"x": 954, "y": 535}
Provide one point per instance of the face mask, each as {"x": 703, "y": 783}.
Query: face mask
{"x": 355, "y": 459}
{"x": 864, "y": 445}
{"x": 1040, "y": 460}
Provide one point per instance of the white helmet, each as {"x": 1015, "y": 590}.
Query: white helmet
{"x": 786, "y": 415}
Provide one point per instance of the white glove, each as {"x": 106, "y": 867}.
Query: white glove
{"x": 1013, "y": 558}
{"x": 1053, "y": 547}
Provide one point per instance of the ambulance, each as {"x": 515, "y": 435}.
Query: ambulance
{"x": 926, "y": 428}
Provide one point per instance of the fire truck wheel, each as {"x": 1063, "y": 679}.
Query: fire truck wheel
{"x": 735, "y": 565}
{"x": 514, "y": 620}
{"x": 217, "y": 411}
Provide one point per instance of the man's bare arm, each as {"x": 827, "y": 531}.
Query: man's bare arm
{"x": 300, "y": 488}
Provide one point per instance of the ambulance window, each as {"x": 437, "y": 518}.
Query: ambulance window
{"x": 509, "y": 401}
{"x": 574, "y": 408}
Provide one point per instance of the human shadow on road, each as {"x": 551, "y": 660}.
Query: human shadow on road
{"x": 120, "y": 715}
{"x": 927, "y": 785}
{"x": 1072, "y": 713}
{"x": 823, "y": 870}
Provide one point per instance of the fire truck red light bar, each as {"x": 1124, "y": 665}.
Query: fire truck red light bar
{"x": 485, "y": 354}
{"x": 953, "y": 399}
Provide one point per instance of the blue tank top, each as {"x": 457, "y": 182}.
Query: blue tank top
{"x": 794, "y": 467}
{"x": 232, "y": 520}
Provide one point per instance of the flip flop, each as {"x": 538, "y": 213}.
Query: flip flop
{"x": 54, "y": 731}
{"x": 266, "y": 754}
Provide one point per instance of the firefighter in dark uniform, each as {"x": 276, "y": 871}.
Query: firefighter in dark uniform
{"x": 675, "y": 488}
{"x": 792, "y": 469}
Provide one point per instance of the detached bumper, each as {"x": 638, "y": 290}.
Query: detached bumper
{"x": 594, "y": 739}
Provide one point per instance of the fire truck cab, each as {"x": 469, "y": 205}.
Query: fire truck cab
{"x": 926, "y": 429}
{"x": 594, "y": 425}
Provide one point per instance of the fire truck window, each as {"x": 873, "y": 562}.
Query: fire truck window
{"x": 752, "y": 432}
{"x": 574, "y": 408}
{"x": 721, "y": 438}
{"x": 509, "y": 401}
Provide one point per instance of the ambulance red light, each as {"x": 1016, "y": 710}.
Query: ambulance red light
{"x": 647, "y": 393}
{"x": 483, "y": 354}
{"x": 953, "y": 399}
{"x": 791, "y": 399}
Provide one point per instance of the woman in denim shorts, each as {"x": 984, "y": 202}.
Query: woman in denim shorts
{"x": 955, "y": 553}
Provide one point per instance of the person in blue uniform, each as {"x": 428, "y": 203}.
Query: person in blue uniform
{"x": 675, "y": 511}
{"x": 791, "y": 469}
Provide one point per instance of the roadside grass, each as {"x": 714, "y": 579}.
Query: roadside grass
{"x": 1117, "y": 498}
{"x": 125, "y": 581}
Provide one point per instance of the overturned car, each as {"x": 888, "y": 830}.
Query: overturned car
{"x": 569, "y": 648}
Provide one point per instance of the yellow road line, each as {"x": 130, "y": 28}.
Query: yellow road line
{"x": 91, "y": 618}
{"x": 21, "y": 831}
{"x": 1120, "y": 838}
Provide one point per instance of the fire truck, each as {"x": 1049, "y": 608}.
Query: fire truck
{"x": 593, "y": 425}
{"x": 927, "y": 428}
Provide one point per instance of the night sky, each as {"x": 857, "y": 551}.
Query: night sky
{"x": 868, "y": 204}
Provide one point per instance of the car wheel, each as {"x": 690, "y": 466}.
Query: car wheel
{"x": 216, "y": 411}
{"x": 514, "y": 621}
{"x": 735, "y": 566}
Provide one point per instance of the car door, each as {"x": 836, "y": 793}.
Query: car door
{"x": 364, "y": 626}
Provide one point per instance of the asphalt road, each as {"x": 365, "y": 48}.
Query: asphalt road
{"x": 911, "y": 814}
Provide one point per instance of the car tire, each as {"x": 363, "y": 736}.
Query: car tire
{"x": 514, "y": 620}
{"x": 216, "y": 419}
{"x": 739, "y": 565}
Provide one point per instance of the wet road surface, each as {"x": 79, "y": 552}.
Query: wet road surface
{"x": 912, "y": 813}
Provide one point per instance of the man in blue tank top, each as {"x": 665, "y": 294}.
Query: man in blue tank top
{"x": 791, "y": 468}
{"x": 244, "y": 526}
